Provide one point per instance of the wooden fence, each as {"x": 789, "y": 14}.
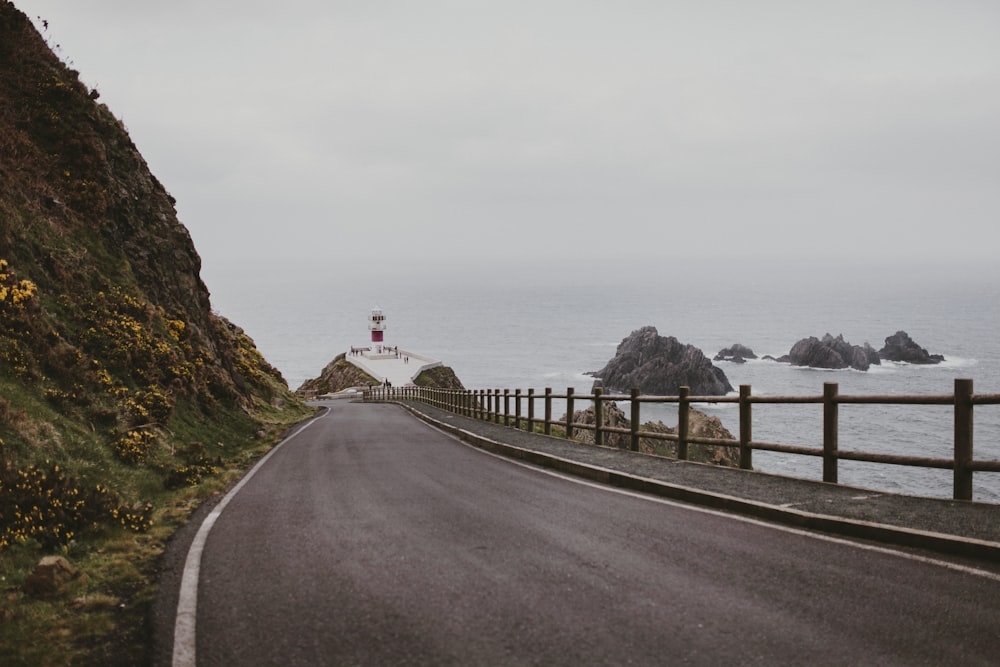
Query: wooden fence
{"x": 495, "y": 405}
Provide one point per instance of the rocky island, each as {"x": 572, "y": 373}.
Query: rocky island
{"x": 737, "y": 354}
{"x": 660, "y": 365}
{"x": 831, "y": 353}
{"x": 900, "y": 347}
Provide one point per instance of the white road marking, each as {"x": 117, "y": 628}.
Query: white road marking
{"x": 985, "y": 574}
{"x": 187, "y": 603}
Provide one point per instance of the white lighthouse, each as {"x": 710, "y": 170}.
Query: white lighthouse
{"x": 376, "y": 324}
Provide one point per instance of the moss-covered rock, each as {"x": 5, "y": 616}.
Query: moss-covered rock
{"x": 439, "y": 377}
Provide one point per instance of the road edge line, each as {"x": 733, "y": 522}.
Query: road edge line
{"x": 942, "y": 543}
{"x": 184, "y": 649}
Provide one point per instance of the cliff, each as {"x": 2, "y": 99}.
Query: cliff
{"x": 112, "y": 363}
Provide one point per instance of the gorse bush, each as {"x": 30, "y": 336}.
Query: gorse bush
{"x": 197, "y": 465}
{"x": 46, "y": 504}
{"x": 14, "y": 294}
{"x": 120, "y": 365}
{"x": 134, "y": 446}
{"x": 17, "y": 308}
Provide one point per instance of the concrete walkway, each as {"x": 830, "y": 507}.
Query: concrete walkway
{"x": 400, "y": 369}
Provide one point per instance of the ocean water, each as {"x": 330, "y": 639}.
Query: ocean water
{"x": 537, "y": 325}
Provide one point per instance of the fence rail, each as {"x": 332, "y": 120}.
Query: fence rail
{"x": 494, "y": 405}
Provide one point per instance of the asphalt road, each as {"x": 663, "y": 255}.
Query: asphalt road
{"x": 373, "y": 539}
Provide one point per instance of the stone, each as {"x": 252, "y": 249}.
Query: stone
{"x": 51, "y": 574}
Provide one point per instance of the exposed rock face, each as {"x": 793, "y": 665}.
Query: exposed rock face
{"x": 661, "y": 365}
{"x": 737, "y": 354}
{"x": 338, "y": 375}
{"x": 701, "y": 426}
{"x": 900, "y": 347}
{"x": 833, "y": 353}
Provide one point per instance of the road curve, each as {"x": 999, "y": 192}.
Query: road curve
{"x": 372, "y": 538}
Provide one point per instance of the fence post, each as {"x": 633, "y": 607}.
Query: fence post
{"x": 506, "y": 407}
{"x": 531, "y": 410}
{"x": 830, "y": 429}
{"x": 517, "y": 408}
{"x": 547, "y": 428}
{"x": 963, "y": 439}
{"x": 569, "y": 413}
{"x": 496, "y": 406}
{"x": 480, "y": 409}
{"x": 598, "y": 417}
{"x": 683, "y": 423}
{"x": 633, "y": 440}
{"x": 746, "y": 428}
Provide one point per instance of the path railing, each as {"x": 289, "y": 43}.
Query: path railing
{"x": 516, "y": 408}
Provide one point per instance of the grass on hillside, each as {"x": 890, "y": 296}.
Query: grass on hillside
{"x": 102, "y": 616}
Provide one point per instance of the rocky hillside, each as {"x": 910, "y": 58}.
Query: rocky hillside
{"x": 338, "y": 375}
{"x": 113, "y": 367}
{"x": 700, "y": 426}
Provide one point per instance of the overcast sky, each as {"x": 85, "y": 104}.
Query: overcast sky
{"x": 485, "y": 130}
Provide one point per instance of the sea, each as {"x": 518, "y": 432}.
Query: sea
{"x": 538, "y": 324}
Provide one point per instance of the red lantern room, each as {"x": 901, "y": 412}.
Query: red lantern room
{"x": 376, "y": 324}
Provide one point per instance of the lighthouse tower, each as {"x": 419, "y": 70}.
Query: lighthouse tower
{"x": 376, "y": 324}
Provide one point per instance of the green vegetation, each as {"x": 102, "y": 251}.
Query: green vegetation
{"x": 124, "y": 400}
